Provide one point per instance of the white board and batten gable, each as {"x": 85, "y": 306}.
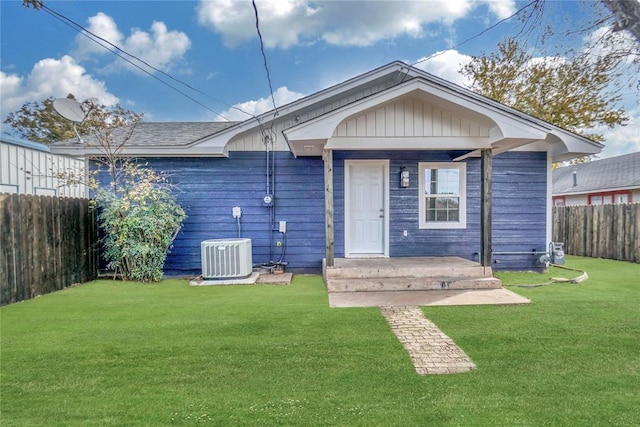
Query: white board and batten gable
{"x": 30, "y": 168}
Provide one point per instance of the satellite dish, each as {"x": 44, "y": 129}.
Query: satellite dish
{"x": 69, "y": 109}
{"x": 74, "y": 111}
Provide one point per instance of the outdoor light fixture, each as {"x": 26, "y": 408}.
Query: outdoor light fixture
{"x": 404, "y": 178}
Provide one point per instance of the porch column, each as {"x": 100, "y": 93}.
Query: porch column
{"x": 485, "y": 207}
{"x": 327, "y": 156}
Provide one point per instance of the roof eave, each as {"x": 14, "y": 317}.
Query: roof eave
{"x": 144, "y": 151}
{"x": 565, "y": 145}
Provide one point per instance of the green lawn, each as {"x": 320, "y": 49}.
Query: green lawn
{"x": 115, "y": 353}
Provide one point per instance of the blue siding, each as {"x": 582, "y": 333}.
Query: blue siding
{"x": 403, "y": 209}
{"x": 210, "y": 187}
{"x": 519, "y": 207}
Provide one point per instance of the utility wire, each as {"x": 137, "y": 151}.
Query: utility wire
{"x": 523, "y": 8}
{"x": 116, "y": 50}
{"x": 264, "y": 57}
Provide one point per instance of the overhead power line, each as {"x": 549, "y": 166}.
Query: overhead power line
{"x": 264, "y": 57}
{"x": 522, "y": 9}
{"x": 121, "y": 53}
{"x": 124, "y": 55}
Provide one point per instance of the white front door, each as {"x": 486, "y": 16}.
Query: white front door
{"x": 365, "y": 208}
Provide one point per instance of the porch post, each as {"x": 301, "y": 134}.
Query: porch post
{"x": 485, "y": 207}
{"x": 327, "y": 156}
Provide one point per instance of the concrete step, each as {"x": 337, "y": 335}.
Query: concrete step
{"x": 411, "y": 283}
{"x": 407, "y": 268}
{"x": 413, "y": 272}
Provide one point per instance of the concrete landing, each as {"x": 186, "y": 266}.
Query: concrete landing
{"x": 426, "y": 298}
{"x": 254, "y": 278}
{"x": 275, "y": 279}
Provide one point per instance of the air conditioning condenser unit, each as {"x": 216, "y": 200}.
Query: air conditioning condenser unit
{"x": 226, "y": 258}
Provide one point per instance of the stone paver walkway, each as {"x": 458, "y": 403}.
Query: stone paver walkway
{"x": 431, "y": 351}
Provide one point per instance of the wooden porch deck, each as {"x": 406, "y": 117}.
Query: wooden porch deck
{"x": 407, "y": 273}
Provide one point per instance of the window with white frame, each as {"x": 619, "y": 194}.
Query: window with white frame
{"x": 621, "y": 198}
{"x": 443, "y": 196}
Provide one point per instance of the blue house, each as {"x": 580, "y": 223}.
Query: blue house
{"x": 392, "y": 163}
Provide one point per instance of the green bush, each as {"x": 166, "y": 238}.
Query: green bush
{"x": 140, "y": 219}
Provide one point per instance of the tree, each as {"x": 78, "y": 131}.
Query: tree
{"x": 627, "y": 16}
{"x": 37, "y": 4}
{"x": 572, "y": 93}
{"x": 612, "y": 27}
{"x": 39, "y": 122}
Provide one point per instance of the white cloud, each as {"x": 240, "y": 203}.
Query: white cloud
{"x": 159, "y": 47}
{"x": 501, "y": 8}
{"x": 51, "y": 77}
{"x": 603, "y": 42}
{"x": 445, "y": 64}
{"x": 282, "y": 96}
{"x": 103, "y": 26}
{"x": 622, "y": 139}
{"x": 284, "y": 23}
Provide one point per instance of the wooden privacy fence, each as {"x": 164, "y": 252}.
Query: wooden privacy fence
{"x": 46, "y": 244}
{"x": 601, "y": 231}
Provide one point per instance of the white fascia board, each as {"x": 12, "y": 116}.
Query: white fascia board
{"x": 151, "y": 151}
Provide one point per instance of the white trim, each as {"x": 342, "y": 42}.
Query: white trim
{"x": 347, "y": 218}
{"x": 407, "y": 143}
{"x": 549, "y": 205}
{"x": 598, "y": 190}
{"x": 462, "y": 223}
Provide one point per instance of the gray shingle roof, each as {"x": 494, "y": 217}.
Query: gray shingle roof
{"x": 161, "y": 133}
{"x": 599, "y": 175}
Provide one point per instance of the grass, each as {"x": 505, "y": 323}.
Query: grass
{"x": 117, "y": 353}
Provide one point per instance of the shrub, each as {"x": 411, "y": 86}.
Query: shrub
{"x": 140, "y": 219}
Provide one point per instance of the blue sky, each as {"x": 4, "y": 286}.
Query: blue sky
{"x": 213, "y": 47}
